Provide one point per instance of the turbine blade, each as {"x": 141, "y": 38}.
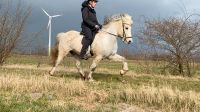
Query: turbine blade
{"x": 45, "y": 12}
{"x": 56, "y": 16}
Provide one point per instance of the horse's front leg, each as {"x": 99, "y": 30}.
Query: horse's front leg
{"x": 93, "y": 67}
{"x": 119, "y": 58}
{"x": 79, "y": 67}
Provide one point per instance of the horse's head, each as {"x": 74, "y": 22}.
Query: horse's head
{"x": 123, "y": 24}
{"x": 125, "y": 28}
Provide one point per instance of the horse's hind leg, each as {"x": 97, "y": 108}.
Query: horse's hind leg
{"x": 119, "y": 58}
{"x": 93, "y": 67}
{"x": 61, "y": 55}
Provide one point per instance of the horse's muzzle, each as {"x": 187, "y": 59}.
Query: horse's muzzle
{"x": 129, "y": 42}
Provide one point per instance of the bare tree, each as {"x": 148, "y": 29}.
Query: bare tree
{"x": 12, "y": 22}
{"x": 178, "y": 38}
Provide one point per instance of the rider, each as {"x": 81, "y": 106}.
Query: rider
{"x": 90, "y": 25}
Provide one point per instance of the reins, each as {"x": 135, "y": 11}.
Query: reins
{"x": 124, "y": 33}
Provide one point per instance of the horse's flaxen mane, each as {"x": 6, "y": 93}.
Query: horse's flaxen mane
{"x": 112, "y": 18}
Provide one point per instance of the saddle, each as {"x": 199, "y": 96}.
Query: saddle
{"x": 89, "y": 52}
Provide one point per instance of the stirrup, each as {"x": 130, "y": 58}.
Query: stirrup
{"x": 85, "y": 57}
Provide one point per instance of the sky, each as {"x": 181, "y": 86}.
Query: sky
{"x": 70, "y": 9}
{"x": 71, "y": 13}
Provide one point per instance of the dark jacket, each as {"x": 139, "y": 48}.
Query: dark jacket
{"x": 88, "y": 16}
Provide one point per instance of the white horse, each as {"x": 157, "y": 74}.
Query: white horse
{"x": 103, "y": 46}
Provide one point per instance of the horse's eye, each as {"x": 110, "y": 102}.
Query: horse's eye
{"x": 126, "y": 28}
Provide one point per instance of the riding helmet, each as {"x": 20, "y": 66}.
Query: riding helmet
{"x": 93, "y": 0}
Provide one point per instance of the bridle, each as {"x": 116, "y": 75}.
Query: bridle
{"x": 124, "y": 33}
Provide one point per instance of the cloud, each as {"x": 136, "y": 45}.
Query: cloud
{"x": 71, "y": 11}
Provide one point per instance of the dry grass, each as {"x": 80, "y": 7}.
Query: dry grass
{"x": 109, "y": 93}
{"x": 44, "y": 84}
{"x": 164, "y": 98}
{"x": 46, "y": 68}
{"x": 62, "y": 91}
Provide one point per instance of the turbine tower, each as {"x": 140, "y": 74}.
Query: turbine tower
{"x": 49, "y": 27}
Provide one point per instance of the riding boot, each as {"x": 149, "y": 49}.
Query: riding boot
{"x": 85, "y": 57}
{"x": 86, "y": 43}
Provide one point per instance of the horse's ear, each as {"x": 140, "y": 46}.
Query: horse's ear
{"x": 122, "y": 15}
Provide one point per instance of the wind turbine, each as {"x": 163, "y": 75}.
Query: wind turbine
{"x": 49, "y": 27}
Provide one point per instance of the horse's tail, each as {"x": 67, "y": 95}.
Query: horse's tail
{"x": 54, "y": 54}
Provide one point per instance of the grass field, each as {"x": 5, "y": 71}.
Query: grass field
{"x": 25, "y": 86}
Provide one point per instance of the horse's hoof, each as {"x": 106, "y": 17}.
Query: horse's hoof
{"x": 123, "y": 72}
{"x": 83, "y": 78}
{"x": 91, "y": 80}
{"x": 51, "y": 74}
